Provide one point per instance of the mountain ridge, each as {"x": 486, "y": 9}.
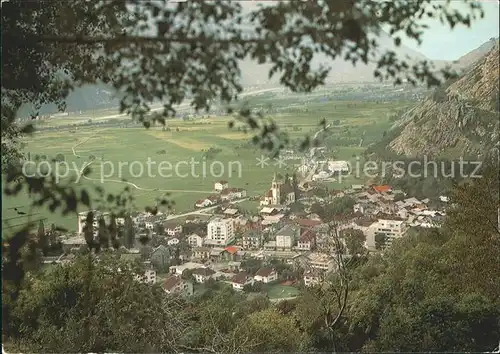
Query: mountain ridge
{"x": 459, "y": 118}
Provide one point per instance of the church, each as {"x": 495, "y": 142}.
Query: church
{"x": 281, "y": 193}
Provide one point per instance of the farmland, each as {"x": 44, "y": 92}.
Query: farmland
{"x": 119, "y": 152}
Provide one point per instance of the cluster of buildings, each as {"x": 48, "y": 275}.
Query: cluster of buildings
{"x": 214, "y": 247}
{"x": 225, "y": 194}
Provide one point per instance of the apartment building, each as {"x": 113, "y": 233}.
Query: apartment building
{"x": 220, "y": 232}
{"x": 392, "y": 229}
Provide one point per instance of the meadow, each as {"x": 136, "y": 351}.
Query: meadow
{"x": 221, "y": 153}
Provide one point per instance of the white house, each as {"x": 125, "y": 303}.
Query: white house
{"x": 179, "y": 269}
{"x": 338, "y": 166}
{"x": 240, "y": 280}
{"x": 148, "y": 277}
{"x": 176, "y": 285}
{"x": 266, "y": 275}
{"x": 172, "y": 228}
{"x": 306, "y": 241}
{"x": 195, "y": 240}
{"x": 233, "y": 193}
{"x": 312, "y": 277}
{"x": 221, "y": 185}
{"x": 203, "y": 203}
{"x": 321, "y": 261}
{"x": 173, "y": 241}
{"x": 201, "y": 275}
{"x": 82, "y": 218}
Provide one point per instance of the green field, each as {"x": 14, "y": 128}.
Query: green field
{"x": 282, "y": 291}
{"x": 234, "y": 159}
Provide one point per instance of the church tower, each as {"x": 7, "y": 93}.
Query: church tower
{"x": 276, "y": 190}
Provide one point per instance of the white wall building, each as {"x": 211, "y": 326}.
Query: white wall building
{"x": 82, "y": 217}
{"x": 221, "y": 185}
{"x": 148, "y": 277}
{"x": 220, "y": 231}
{"x": 392, "y": 229}
{"x": 195, "y": 240}
{"x": 338, "y": 166}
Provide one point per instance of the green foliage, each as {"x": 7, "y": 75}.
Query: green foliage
{"x": 56, "y": 312}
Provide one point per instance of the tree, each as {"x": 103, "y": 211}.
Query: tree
{"x": 129, "y": 232}
{"x": 380, "y": 240}
{"x": 43, "y": 239}
{"x": 113, "y": 232}
{"x": 269, "y": 331}
{"x": 54, "y": 303}
{"x": 354, "y": 241}
{"x": 51, "y": 47}
{"x": 103, "y": 236}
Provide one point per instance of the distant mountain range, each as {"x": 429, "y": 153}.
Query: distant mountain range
{"x": 253, "y": 74}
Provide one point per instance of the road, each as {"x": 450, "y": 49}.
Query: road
{"x": 201, "y": 211}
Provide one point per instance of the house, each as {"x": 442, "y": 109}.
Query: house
{"x": 321, "y": 261}
{"x": 195, "y": 240}
{"x": 240, "y": 280}
{"x": 382, "y": 189}
{"x": 231, "y": 253}
{"x": 160, "y": 257}
{"x": 172, "y": 228}
{"x": 201, "y": 275}
{"x": 266, "y": 275}
{"x": 307, "y": 240}
{"x": 233, "y": 193}
{"x": 173, "y": 241}
{"x": 221, "y": 185}
{"x": 179, "y": 269}
{"x": 203, "y": 203}
{"x": 308, "y": 223}
{"x": 176, "y": 285}
{"x": 338, "y": 166}
{"x": 149, "y": 276}
{"x": 251, "y": 239}
{"x": 286, "y": 237}
{"x": 312, "y": 277}
{"x": 230, "y": 212}
{"x": 201, "y": 252}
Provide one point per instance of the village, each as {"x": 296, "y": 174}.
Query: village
{"x": 286, "y": 244}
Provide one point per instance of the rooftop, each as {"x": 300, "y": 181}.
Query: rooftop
{"x": 264, "y": 272}
{"x": 171, "y": 282}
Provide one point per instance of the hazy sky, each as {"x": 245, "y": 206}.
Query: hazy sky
{"x": 439, "y": 42}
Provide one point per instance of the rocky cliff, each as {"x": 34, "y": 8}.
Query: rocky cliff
{"x": 459, "y": 118}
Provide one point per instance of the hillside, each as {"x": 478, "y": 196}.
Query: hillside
{"x": 459, "y": 118}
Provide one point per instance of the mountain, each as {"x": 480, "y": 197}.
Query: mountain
{"x": 459, "y": 119}
{"x": 85, "y": 98}
{"x": 341, "y": 70}
{"x": 464, "y": 62}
